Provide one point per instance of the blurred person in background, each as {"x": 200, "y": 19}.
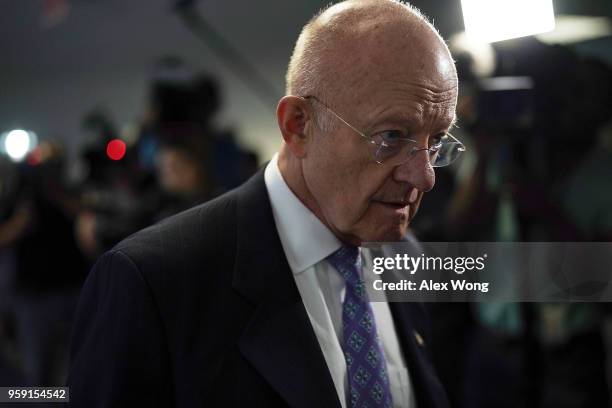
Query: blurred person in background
{"x": 182, "y": 177}
{"x": 14, "y": 220}
{"x": 183, "y": 106}
{"x": 585, "y": 192}
{"x": 179, "y": 159}
{"x": 49, "y": 267}
{"x": 541, "y": 173}
{"x": 113, "y": 190}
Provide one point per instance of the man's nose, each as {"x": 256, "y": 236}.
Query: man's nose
{"x": 416, "y": 171}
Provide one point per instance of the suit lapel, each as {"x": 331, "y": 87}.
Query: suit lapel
{"x": 409, "y": 320}
{"x": 279, "y": 340}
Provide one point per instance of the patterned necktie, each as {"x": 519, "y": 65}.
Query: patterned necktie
{"x": 368, "y": 380}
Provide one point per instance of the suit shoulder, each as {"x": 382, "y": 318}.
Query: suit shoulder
{"x": 192, "y": 233}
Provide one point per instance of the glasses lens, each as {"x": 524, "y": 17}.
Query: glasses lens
{"x": 448, "y": 153}
{"x": 440, "y": 155}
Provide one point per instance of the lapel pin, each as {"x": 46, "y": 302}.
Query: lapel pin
{"x": 419, "y": 339}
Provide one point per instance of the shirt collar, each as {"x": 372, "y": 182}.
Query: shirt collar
{"x": 305, "y": 239}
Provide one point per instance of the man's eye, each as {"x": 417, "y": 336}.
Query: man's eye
{"x": 437, "y": 140}
{"x": 391, "y": 137}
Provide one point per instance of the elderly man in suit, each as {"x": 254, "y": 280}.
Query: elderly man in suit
{"x": 255, "y": 298}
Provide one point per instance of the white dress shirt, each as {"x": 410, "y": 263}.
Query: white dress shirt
{"x": 307, "y": 243}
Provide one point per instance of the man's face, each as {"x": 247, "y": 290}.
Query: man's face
{"x": 359, "y": 199}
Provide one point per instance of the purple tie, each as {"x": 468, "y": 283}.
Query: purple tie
{"x": 368, "y": 380}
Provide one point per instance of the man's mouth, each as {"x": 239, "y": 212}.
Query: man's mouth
{"x": 401, "y": 203}
{"x": 393, "y": 205}
{"x": 392, "y": 210}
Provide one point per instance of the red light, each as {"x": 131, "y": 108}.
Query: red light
{"x": 115, "y": 149}
{"x": 35, "y": 157}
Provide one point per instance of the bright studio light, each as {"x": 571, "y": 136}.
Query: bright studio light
{"x": 498, "y": 20}
{"x": 18, "y": 143}
{"x": 572, "y": 29}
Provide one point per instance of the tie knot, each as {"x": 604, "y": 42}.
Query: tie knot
{"x": 346, "y": 260}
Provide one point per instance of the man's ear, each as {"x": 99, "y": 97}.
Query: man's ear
{"x": 293, "y": 113}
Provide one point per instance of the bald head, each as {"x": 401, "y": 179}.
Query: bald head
{"x": 358, "y": 42}
{"x": 376, "y": 69}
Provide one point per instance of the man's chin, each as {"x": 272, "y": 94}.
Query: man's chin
{"x": 383, "y": 226}
{"x": 396, "y": 233}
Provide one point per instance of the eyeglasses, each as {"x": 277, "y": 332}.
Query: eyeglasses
{"x": 390, "y": 147}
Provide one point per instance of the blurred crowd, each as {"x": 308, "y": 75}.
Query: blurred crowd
{"x": 55, "y": 222}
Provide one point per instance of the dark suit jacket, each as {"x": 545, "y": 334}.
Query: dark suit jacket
{"x": 202, "y": 310}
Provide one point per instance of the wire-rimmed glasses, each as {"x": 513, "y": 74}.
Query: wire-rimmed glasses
{"x": 391, "y": 147}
